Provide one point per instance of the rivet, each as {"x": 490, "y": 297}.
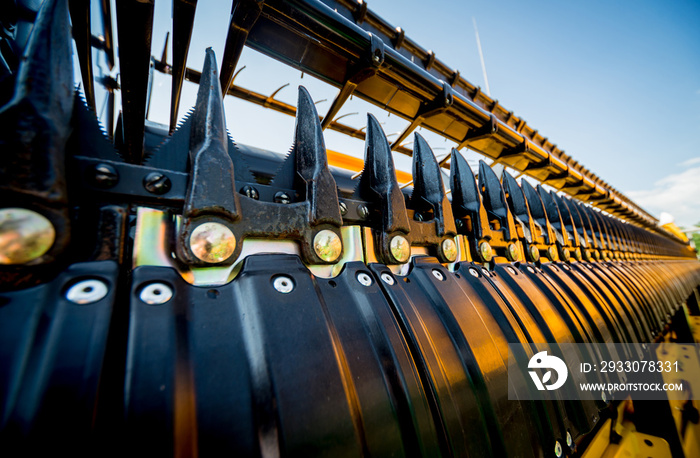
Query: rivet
{"x": 104, "y": 176}
{"x": 212, "y": 242}
{"x": 343, "y": 208}
{"x": 485, "y": 251}
{"x": 437, "y": 274}
{"x": 87, "y": 292}
{"x": 283, "y": 284}
{"x": 552, "y": 253}
{"x": 282, "y": 198}
{"x": 400, "y": 249}
{"x": 449, "y": 249}
{"x": 513, "y": 253}
{"x": 157, "y": 183}
{"x": 364, "y": 279}
{"x": 473, "y": 272}
{"x": 25, "y": 235}
{"x": 386, "y": 278}
{"x": 156, "y": 294}
{"x": 251, "y": 192}
{"x": 577, "y": 254}
{"x": 327, "y": 245}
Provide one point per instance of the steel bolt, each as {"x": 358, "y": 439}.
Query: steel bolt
{"x": 388, "y": 279}
{"x": 156, "y": 294}
{"x": 400, "y": 249}
{"x": 157, "y": 183}
{"x": 104, "y": 176}
{"x": 534, "y": 253}
{"x": 558, "y": 450}
{"x": 327, "y": 245}
{"x": 513, "y": 253}
{"x": 418, "y": 216}
{"x": 343, "y": 208}
{"x": 25, "y": 235}
{"x": 212, "y": 242}
{"x": 251, "y": 192}
{"x": 473, "y": 272}
{"x": 437, "y": 274}
{"x": 552, "y": 253}
{"x": 282, "y": 198}
{"x": 362, "y": 211}
{"x": 485, "y": 251}
{"x": 87, "y": 292}
{"x": 364, "y": 279}
{"x": 587, "y": 255}
{"x": 283, "y": 284}
{"x": 569, "y": 439}
{"x": 577, "y": 254}
{"x": 449, "y": 250}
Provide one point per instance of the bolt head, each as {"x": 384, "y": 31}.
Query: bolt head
{"x": 569, "y": 439}
{"x": 386, "y": 278}
{"x": 362, "y": 211}
{"x": 437, "y": 274}
{"x": 485, "y": 251}
{"x": 534, "y": 253}
{"x": 552, "y": 253}
{"x": 577, "y": 254}
{"x": 513, "y": 253}
{"x": 449, "y": 249}
{"x": 565, "y": 255}
{"x": 251, "y": 192}
{"x": 282, "y": 198}
{"x": 558, "y": 450}
{"x": 157, "y": 183}
{"x": 400, "y": 249}
{"x": 327, "y": 245}
{"x": 343, "y": 208}
{"x": 25, "y": 235}
{"x": 104, "y": 176}
{"x": 212, "y": 242}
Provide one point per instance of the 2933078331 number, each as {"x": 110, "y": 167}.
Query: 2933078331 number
{"x": 639, "y": 366}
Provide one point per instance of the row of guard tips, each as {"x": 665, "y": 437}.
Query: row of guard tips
{"x": 495, "y": 199}
{"x": 428, "y": 188}
{"x": 378, "y": 181}
{"x": 466, "y": 198}
{"x": 212, "y": 187}
{"x": 518, "y": 204}
{"x": 306, "y": 167}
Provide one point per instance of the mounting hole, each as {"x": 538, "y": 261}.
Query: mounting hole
{"x": 283, "y": 284}
{"x": 648, "y": 442}
{"x": 213, "y": 293}
{"x": 87, "y": 292}
{"x": 332, "y": 283}
{"x": 156, "y": 294}
{"x": 364, "y": 279}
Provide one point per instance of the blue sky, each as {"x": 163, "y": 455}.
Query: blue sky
{"x": 614, "y": 84}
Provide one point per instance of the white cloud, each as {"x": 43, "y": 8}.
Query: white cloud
{"x": 677, "y": 194}
{"x": 689, "y": 162}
